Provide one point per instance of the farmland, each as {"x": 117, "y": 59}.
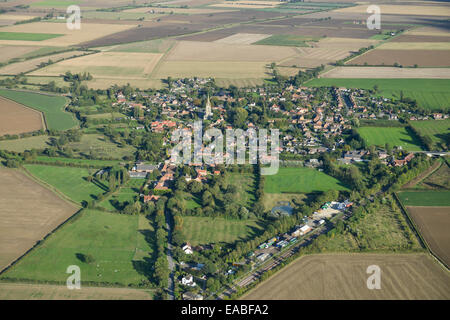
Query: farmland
{"x": 204, "y": 230}
{"x": 410, "y": 57}
{"x": 343, "y": 276}
{"x": 101, "y": 147}
{"x": 387, "y": 73}
{"x": 110, "y": 239}
{"x": 67, "y": 180}
{"x": 439, "y": 180}
{"x": 429, "y": 93}
{"x": 17, "y": 118}
{"x": 425, "y": 198}
{"x": 286, "y": 40}
{"x": 15, "y": 291}
{"x": 27, "y": 36}
{"x": 433, "y": 223}
{"x": 22, "y": 223}
{"x": 301, "y": 180}
{"x": 395, "y": 136}
{"x": 20, "y": 145}
{"x": 52, "y": 107}
{"x": 437, "y": 130}
{"x": 126, "y": 194}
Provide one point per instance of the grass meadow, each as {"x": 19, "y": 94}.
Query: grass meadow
{"x": 69, "y": 181}
{"x": 52, "y": 107}
{"x": 395, "y": 136}
{"x": 204, "y": 230}
{"x": 301, "y": 180}
{"x": 425, "y": 198}
{"x": 437, "y": 130}
{"x": 429, "y": 93}
{"x": 120, "y": 246}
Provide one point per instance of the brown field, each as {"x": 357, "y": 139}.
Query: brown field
{"x": 423, "y": 58}
{"x": 109, "y": 65}
{"x": 17, "y": 118}
{"x": 205, "y": 52}
{"x": 387, "y": 72}
{"x": 429, "y": 31}
{"x": 415, "y": 46}
{"x": 22, "y": 291}
{"x": 176, "y": 10}
{"x": 10, "y": 52}
{"x": 28, "y": 212}
{"x": 344, "y": 277}
{"x": 29, "y": 65}
{"x": 402, "y": 9}
{"x": 434, "y": 225}
{"x": 88, "y": 32}
{"x": 243, "y": 38}
{"x": 420, "y": 38}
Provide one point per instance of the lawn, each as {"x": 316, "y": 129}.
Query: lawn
{"x": 289, "y": 40}
{"x": 126, "y": 194}
{"x": 301, "y": 180}
{"x": 69, "y": 181}
{"x": 425, "y": 198}
{"x": 23, "y": 36}
{"x": 204, "y": 230}
{"x": 395, "y": 136}
{"x": 52, "y": 107}
{"x": 119, "y": 244}
{"x": 437, "y": 130}
{"x": 429, "y": 93}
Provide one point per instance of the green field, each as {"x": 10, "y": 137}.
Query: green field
{"x": 152, "y": 46}
{"x": 23, "y": 36}
{"x": 50, "y": 160}
{"x": 120, "y": 245}
{"x": 425, "y": 198}
{"x": 301, "y": 180}
{"x": 245, "y": 184}
{"x": 106, "y": 116}
{"x": 429, "y": 93}
{"x": 55, "y": 3}
{"x": 395, "y": 136}
{"x": 69, "y": 181}
{"x": 286, "y": 40}
{"x": 52, "y": 107}
{"x": 20, "y": 145}
{"x": 437, "y": 130}
{"x": 126, "y": 193}
{"x": 204, "y": 230}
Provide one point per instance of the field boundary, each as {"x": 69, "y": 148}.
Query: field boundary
{"x": 44, "y": 122}
{"x": 423, "y": 175}
{"x": 416, "y": 230}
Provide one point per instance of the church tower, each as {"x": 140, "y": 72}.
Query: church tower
{"x": 208, "y": 112}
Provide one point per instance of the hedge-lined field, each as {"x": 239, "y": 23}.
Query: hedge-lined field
{"x": 395, "y": 136}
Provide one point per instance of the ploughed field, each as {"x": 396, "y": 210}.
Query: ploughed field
{"x": 16, "y": 118}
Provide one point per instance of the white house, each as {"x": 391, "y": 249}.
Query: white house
{"x": 188, "y": 281}
{"x": 187, "y": 249}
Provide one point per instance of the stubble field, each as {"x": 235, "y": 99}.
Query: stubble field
{"x": 16, "y": 118}
{"x": 28, "y": 212}
{"x": 344, "y": 277}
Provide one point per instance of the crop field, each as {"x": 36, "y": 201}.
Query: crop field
{"x": 387, "y": 73}
{"x": 65, "y": 37}
{"x": 408, "y": 57}
{"x": 301, "y": 180}
{"x": 437, "y": 130}
{"x": 110, "y": 65}
{"x": 100, "y": 146}
{"x": 395, "y": 136}
{"x": 22, "y": 223}
{"x": 20, "y": 145}
{"x": 68, "y": 180}
{"x": 425, "y": 198}
{"x": 433, "y": 224}
{"x": 52, "y": 107}
{"x": 401, "y": 9}
{"x": 127, "y": 193}
{"x": 17, "y": 118}
{"x": 17, "y": 291}
{"x": 429, "y": 31}
{"x": 344, "y": 277}
{"x": 286, "y": 40}
{"x": 204, "y": 230}
{"x": 29, "y": 65}
{"x": 243, "y": 38}
{"x": 152, "y": 46}
{"x": 110, "y": 239}
{"x": 429, "y": 93}
{"x": 11, "y": 52}
{"x": 27, "y": 36}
